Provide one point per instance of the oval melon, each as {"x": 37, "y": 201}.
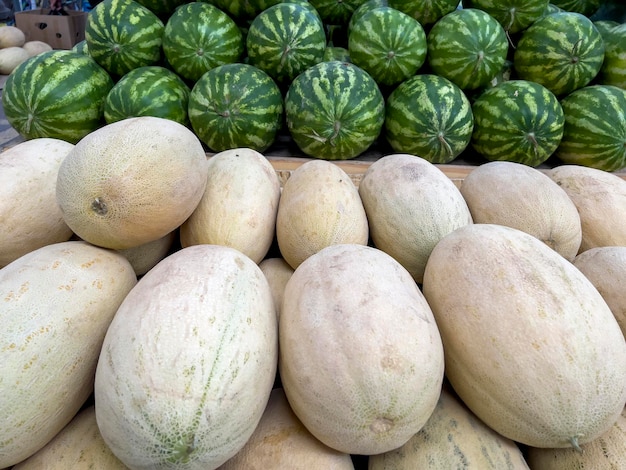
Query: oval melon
{"x": 361, "y": 360}
{"x": 11, "y": 57}
{"x": 526, "y": 337}
{"x": 57, "y": 303}
{"x": 36, "y": 47}
{"x": 277, "y": 272}
{"x": 144, "y": 257}
{"x": 11, "y": 36}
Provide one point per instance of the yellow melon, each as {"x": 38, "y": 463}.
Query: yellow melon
{"x": 11, "y": 57}
{"x": 11, "y": 36}
{"x": 36, "y": 47}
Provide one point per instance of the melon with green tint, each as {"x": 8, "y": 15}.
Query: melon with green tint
{"x": 387, "y": 44}
{"x": 613, "y": 70}
{"x": 364, "y": 8}
{"x": 427, "y": 12}
{"x": 513, "y": 15}
{"x": 162, "y": 8}
{"x": 336, "y": 12}
{"x": 561, "y": 51}
{"x": 584, "y": 7}
{"x": 199, "y": 37}
{"x": 334, "y": 111}
{"x": 429, "y": 116}
{"x": 243, "y": 11}
{"x": 518, "y": 121}
{"x": 58, "y": 94}
{"x": 468, "y": 47}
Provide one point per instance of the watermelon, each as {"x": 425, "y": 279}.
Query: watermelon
{"x": 513, "y": 15}
{"x": 364, "y": 8}
{"x": 199, "y": 37}
{"x": 243, "y": 10}
{"x": 468, "y": 47}
{"x": 561, "y": 51}
{"x": 613, "y": 70}
{"x": 387, "y": 44}
{"x": 162, "y": 8}
{"x": 284, "y": 40}
{"x": 427, "y": 12}
{"x": 151, "y": 90}
{"x": 122, "y": 35}
{"x": 336, "y": 53}
{"x": 336, "y": 12}
{"x": 429, "y": 116}
{"x": 595, "y": 128}
{"x": 81, "y": 47}
{"x": 584, "y": 7}
{"x": 518, "y": 121}
{"x": 58, "y": 94}
{"x": 334, "y": 110}
{"x": 236, "y": 105}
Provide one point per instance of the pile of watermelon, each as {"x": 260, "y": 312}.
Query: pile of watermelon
{"x": 523, "y": 81}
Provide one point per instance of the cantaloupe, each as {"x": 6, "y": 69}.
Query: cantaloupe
{"x": 36, "y": 47}
{"x": 145, "y": 257}
{"x": 526, "y": 337}
{"x": 523, "y": 197}
{"x": 11, "y": 36}
{"x": 410, "y": 204}
{"x": 277, "y": 272}
{"x": 57, "y": 303}
{"x": 132, "y": 181}
{"x": 239, "y": 205}
{"x": 29, "y": 214}
{"x": 361, "y": 359}
{"x": 11, "y": 57}
{"x": 189, "y": 361}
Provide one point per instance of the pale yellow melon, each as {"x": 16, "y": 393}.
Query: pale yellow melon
{"x": 600, "y": 198}
{"x": 11, "y": 36}
{"x": 452, "y": 438}
{"x": 523, "y": 197}
{"x": 132, "y": 181}
{"x": 78, "y": 446}
{"x": 57, "y": 303}
{"x": 319, "y": 206}
{"x": 361, "y": 359}
{"x": 607, "y": 452}
{"x": 189, "y": 361}
{"x": 11, "y": 57}
{"x": 145, "y": 257}
{"x": 605, "y": 267}
{"x": 29, "y": 214}
{"x": 410, "y": 204}
{"x": 36, "y": 47}
{"x": 277, "y": 272}
{"x": 239, "y": 205}
{"x": 280, "y": 441}
{"x": 526, "y": 337}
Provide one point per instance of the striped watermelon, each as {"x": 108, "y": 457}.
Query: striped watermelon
{"x": 468, "y": 47}
{"x": 236, "y": 105}
{"x": 58, "y": 94}
{"x": 561, "y": 51}
{"x": 243, "y": 10}
{"x": 81, "y": 47}
{"x": 336, "y": 12}
{"x": 122, "y": 35}
{"x": 513, "y": 15}
{"x": 595, "y": 128}
{"x": 162, "y": 8}
{"x": 284, "y": 40}
{"x": 429, "y": 116}
{"x": 518, "y": 121}
{"x": 364, "y": 8}
{"x": 427, "y": 12}
{"x": 584, "y": 7}
{"x": 336, "y": 53}
{"x": 199, "y": 37}
{"x": 151, "y": 90}
{"x": 387, "y": 44}
{"x": 334, "y": 111}
{"x": 613, "y": 70}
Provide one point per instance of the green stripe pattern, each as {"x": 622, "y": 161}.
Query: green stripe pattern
{"x": 595, "y": 128}
{"x": 162, "y": 8}
{"x": 199, "y": 37}
{"x": 58, "y": 94}
{"x": 151, "y": 90}
{"x": 427, "y": 12}
{"x": 468, "y": 47}
{"x": 334, "y": 111}
{"x": 613, "y": 70}
{"x": 513, "y": 15}
{"x": 336, "y": 12}
{"x": 364, "y": 8}
{"x": 429, "y": 116}
{"x": 243, "y": 10}
{"x": 518, "y": 121}
{"x": 561, "y": 51}
{"x": 387, "y": 44}
{"x": 122, "y": 35}
{"x": 284, "y": 40}
{"x": 584, "y": 7}
{"x": 236, "y": 105}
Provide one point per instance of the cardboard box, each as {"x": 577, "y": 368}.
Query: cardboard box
{"x": 61, "y": 32}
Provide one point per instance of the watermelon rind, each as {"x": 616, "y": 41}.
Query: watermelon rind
{"x": 513, "y": 15}
{"x": 336, "y": 12}
{"x": 427, "y": 12}
{"x": 613, "y": 70}
{"x": 364, "y": 8}
{"x": 584, "y": 7}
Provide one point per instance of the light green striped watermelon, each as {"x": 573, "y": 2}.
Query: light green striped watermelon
{"x": 81, "y": 47}
{"x": 364, "y": 8}
{"x": 518, "y": 121}
{"x": 561, "y": 51}
{"x": 429, "y": 116}
{"x": 198, "y": 37}
{"x": 236, "y": 105}
{"x": 334, "y": 111}
{"x": 584, "y": 7}
{"x": 58, "y": 94}
{"x": 336, "y": 12}
{"x": 162, "y": 8}
{"x": 387, "y": 44}
{"x": 427, "y": 12}
{"x": 122, "y": 35}
{"x": 595, "y": 128}
{"x": 468, "y": 47}
{"x": 151, "y": 90}
{"x": 513, "y": 15}
{"x": 243, "y": 10}
{"x": 284, "y": 40}
{"x": 336, "y": 53}
{"x": 613, "y": 70}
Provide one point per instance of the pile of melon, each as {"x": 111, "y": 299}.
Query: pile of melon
{"x": 15, "y": 49}
{"x": 164, "y": 308}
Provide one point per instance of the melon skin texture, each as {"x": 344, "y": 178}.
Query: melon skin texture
{"x": 277, "y": 272}
{"x": 11, "y": 57}
{"x": 361, "y": 359}
{"x": 29, "y": 215}
{"x": 188, "y": 362}
{"x": 58, "y": 302}
{"x": 36, "y": 47}
{"x": 144, "y": 257}
{"x": 239, "y": 205}
{"x": 522, "y": 197}
{"x": 11, "y": 36}
{"x": 410, "y": 204}
{"x": 132, "y": 181}
{"x": 526, "y": 337}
